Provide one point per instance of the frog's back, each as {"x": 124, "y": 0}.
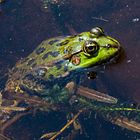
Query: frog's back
{"x": 36, "y": 64}
{"x": 47, "y": 51}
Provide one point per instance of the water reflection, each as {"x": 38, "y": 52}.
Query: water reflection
{"x": 24, "y": 24}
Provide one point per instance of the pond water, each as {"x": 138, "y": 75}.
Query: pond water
{"x": 25, "y": 23}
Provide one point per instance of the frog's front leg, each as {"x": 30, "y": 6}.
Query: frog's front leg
{"x": 71, "y": 89}
{"x": 74, "y": 92}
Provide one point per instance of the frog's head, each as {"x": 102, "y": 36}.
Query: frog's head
{"x": 94, "y": 48}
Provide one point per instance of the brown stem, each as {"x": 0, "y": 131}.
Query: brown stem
{"x": 11, "y": 121}
{"x": 2, "y": 137}
{"x": 96, "y": 95}
{"x": 125, "y": 123}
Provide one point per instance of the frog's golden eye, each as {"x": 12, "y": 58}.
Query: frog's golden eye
{"x": 97, "y": 31}
{"x": 90, "y": 47}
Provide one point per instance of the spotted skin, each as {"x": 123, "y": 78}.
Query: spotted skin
{"x": 60, "y": 60}
{"x": 53, "y": 54}
{"x": 40, "y": 50}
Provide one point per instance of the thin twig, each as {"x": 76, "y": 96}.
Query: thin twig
{"x": 100, "y": 18}
{"x": 11, "y": 121}
{"x": 68, "y": 124}
{"x": 11, "y": 108}
{"x": 2, "y": 137}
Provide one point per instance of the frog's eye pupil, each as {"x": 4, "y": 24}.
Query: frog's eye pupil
{"x": 90, "y": 47}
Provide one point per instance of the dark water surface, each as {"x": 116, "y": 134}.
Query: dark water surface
{"x": 25, "y": 23}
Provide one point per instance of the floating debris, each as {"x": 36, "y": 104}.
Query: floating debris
{"x": 44, "y": 5}
{"x": 96, "y": 95}
{"x": 91, "y": 74}
{"x": 11, "y": 108}
{"x": 126, "y": 123}
{"x": 100, "y": 18}
{"x": 135, "y": 20}
{"x": 129, "y": 61}
{"x": 56, "y": 134}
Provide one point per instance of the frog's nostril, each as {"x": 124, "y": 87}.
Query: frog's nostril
{"x": 117, "y": 46}
{"x": 108, "y": 46}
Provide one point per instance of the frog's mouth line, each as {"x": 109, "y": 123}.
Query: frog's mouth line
{"x": 101, "y": 66}
{"x": 112, "y": 59}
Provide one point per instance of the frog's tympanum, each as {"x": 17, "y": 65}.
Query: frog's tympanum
{"x": 53, "y": 71}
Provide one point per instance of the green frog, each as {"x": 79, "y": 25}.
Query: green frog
{"x": 58, "y": 61}
{"x": 53, "y": 71}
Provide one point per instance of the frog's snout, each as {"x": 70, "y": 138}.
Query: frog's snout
{"x": 117, "y": 54}
{"x": 118, "y": 46}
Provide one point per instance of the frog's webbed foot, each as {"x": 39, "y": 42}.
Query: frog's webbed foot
{"x": 53, "y": 135}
